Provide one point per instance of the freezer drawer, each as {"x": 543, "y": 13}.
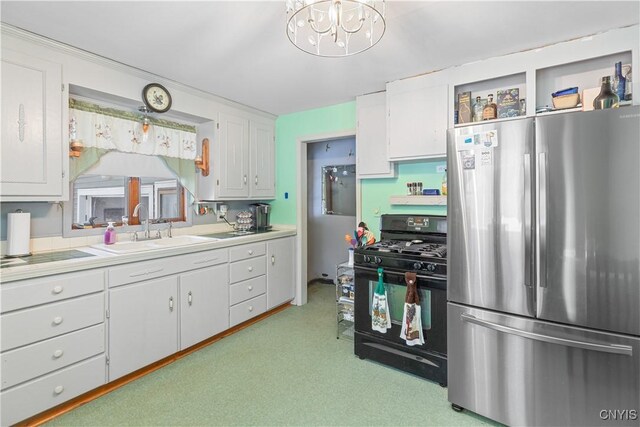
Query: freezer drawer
{"x": 521, "y": 371}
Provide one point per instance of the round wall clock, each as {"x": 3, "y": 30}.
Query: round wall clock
{"x": 156, "y": 97}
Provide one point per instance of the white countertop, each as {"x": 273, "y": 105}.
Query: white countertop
{"x": 107, "y": 259}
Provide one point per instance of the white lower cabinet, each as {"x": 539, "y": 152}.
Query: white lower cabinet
{"x": 280, "y": 271}
{"x": 45, "y": 392}
{"x": 204, "y": 304}
{"x": 143, "y": 324}
{"x": 53, "y": 341}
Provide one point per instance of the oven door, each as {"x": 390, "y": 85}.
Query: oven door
{"x": 433, "y": 303}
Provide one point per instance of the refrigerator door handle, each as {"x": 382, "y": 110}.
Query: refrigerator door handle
{"x": 527, "y": 221}
{"x": 624, "y": 350}
{"x": 541, "y": 248}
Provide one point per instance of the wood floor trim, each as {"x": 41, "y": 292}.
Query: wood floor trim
{"x": 78, "y": 401}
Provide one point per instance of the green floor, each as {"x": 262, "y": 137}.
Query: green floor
{"x": 288, "y": 369}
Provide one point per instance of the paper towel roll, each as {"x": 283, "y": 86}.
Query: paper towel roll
{"x": 18, "y": 233}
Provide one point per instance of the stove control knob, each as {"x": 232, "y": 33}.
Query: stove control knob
{"x": 417, "y": 266}
{"x": 431, "y": 267}
{"x": 378, "y": 260}
{"x": 367, "y": 258}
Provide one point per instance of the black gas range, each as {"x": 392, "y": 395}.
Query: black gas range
{"x": 415, "y": 243}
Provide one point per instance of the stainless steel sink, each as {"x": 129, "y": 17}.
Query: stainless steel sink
{"x": 126, "y": 247}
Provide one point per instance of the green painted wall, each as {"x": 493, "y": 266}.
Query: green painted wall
{"x": 289, "y": 129}
{"x": 375, "y": 192}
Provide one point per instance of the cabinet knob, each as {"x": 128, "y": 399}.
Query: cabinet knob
{"x": 250, "y": 269}
{"x": 57, "y": 289}
{"x": 250, "y": 287}
{"x": 58, "y": 354}
{"x": 245, "y": 179}
{"x": 250, "y": 251}
{"x": 170, "y": 303}
{"x": 256, "y": 179}
{"x": 190, "y": 298}
{"x": 57, "y": 320}
{"x": 250, "y": 308}
{"x": 273, "y": 260}
{"x": 59, "y": 389}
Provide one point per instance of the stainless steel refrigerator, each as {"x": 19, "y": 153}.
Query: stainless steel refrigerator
{"x": 544, "y": 269}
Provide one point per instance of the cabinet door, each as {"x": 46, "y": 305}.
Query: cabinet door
{"x": 233, "y": 176}
{"x": 417, "y": 120}
{"x": 31, "y": 150}
{"x": 280, "y": 271}
{"x": 204, "y": 304}
{"x": 371, "y": 137}
{"x": 143, "y": 324}
{"x": 262, "y": 143}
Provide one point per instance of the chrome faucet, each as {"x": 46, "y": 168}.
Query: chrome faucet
{"x": 147, "y": 235}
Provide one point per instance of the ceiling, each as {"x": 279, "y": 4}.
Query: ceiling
{"x": 239, "y": 49}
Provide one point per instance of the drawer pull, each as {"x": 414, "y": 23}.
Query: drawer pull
{"x": 170, "y": 303}
{"x": 250, "y": 251}
{"x": 59, "y": 389}
{"x": 250, "y": 268}
{"x": 57, "y": 320}
{"x": 57, "y": 289}
{"x": 190, "y": 298}
{"x": 204, "y": 261}
{"x": 250, "y": 308}
{"x": 145, "y": 273}
{"x": 58, "y": 354}
{"x": 250, "y": 287}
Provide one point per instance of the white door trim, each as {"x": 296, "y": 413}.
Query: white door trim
{"x": 301, "y": 205}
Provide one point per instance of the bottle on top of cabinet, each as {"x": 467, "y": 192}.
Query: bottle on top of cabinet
{"x": 619, "y": 82}
{"x": 606, "y": 98}
{"x": 490, "y": 110}
{"x": 628, "y": 87}
{"x": 477, "y": 109}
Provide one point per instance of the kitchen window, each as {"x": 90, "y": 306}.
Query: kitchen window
{"x": 99, "y": 199}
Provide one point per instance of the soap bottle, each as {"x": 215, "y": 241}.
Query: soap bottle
{"x": 443, "y": 190}
{"x": 110, "y": 234}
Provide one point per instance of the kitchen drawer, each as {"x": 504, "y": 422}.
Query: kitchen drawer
{"x": 23, "y": 401}
{"x": 247, "y": 269}
{"x": 34, "y": 324}
{"x": 145, "y": 270}
{"x": 32, "y": 361}
{"x": 247, "y": 251}
{"x": 27, "y": 293}
{"x": 200, "y": 259}
{"x": 248, "y": 309}
{"x": 248, "y": 289}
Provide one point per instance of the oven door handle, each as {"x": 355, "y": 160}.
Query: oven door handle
{"x": 398, "y": 273}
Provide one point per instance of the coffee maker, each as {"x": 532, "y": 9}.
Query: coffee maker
{"x": 261, "y": 213}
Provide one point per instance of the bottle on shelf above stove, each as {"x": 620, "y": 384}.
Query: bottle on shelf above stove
{"x": 606, "y": 98}
{"x": 490, "y": 110}
{"x": 619, "y": 82}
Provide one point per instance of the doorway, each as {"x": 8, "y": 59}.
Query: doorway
{"x": 331, "y": 205}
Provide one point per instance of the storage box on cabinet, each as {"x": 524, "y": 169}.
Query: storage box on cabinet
{"x": 37, "y": 359}
{"x": 27, "y": 293}
{"x": 27, "y": 326}
{"x": 45, "y": 392}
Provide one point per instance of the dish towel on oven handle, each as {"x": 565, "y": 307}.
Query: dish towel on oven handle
{"x": 380, "y": 320}
{"x": 411, "y": 320}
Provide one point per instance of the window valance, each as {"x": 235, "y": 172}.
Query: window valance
{"x": 113, "y": 129}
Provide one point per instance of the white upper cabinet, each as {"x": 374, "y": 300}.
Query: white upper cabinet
{"x": 241, "y": 158}
{"x": 371, "y": 137}
{"x": 417, "y": 120}
{"x": 262, "y": 160}
{"x": 32, "y": 140}
{"x": 231, "y": 162}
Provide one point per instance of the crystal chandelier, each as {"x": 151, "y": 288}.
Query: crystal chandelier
{"x": 335, "y": 27}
